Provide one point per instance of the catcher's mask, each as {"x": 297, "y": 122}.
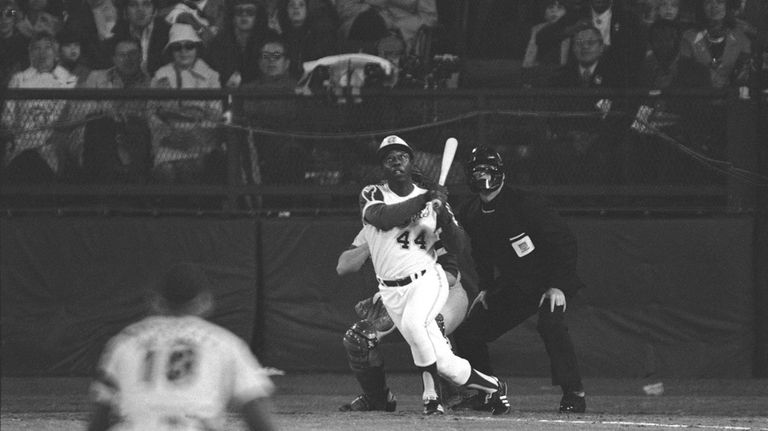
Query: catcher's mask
{"x": 485, "y": 170}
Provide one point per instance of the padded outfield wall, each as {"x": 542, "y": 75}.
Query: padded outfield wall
{"x": 665, "y": 297}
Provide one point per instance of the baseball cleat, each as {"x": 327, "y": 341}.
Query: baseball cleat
{"x": 573, "y": 403}
{"x": 366, "y": 403}
{"x": 433, "y": 407}
{"x": 497, "y": 401}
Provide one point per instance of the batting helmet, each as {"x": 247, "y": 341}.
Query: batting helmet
{"x": 393, "y": 142}
{"x": 484, "y": 161}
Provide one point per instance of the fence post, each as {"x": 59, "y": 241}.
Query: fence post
{"x": 234, "y": 177}
{"x": 760, "y": 363}
{"x": 741, "y": 149}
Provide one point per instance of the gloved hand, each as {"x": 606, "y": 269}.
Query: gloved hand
{"x": 556, "y": 299}
{"x": 420, "y": 179}
{"x": 438, "y": 194}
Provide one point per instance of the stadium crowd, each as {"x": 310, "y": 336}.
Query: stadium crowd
{"x": 172, "y": 44}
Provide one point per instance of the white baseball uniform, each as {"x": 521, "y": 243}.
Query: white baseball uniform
{"x": 455, "y": 307}
{"x": 413, "y": 285}
{"x": 177, "y": 373}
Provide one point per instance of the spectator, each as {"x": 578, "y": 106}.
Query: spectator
{"x": 371, "y": 20}
{"x": 273, "y": 15}
{"x": 308, "y": 35}
{"x": 664, "y": 37}
{"x": 274, "y": 65}
{"x": 588, "y": 70}
{"x": 39, "y": 154}
{"x": 117, "y": 143}
{"x": 235, "y": 51}
{"x": 14, "y": 55}
{"x": 668, "y": 10}
{"x": 718, "y": 46}
{"x": 184, "y": 134}
{"x": 588, "y": 150}
{"x": 751, "y": 16}
{"x": 40, "y": 16}
{"x": 646, "y": 10}
{"x": 279, "y": 159}
{"x": 207, "y": 17}
{"x": 392, "y": 48}
{"x": 70, "y": 54}
{"x": 620, "y": 29}
{"x": 94, "y": 21}
{"x": 139, "y": 20}
{"x": 506, "y": 23}
{"x": 542, "y": 56}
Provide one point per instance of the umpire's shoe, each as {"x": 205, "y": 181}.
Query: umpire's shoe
{"x": 497, "y": 401}
{"x": 433, "y": 407}
{"x": 367, "y": 403}
{"x": 573, "y": 403}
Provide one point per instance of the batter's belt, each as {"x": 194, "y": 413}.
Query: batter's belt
{"x": 403, "y": 281}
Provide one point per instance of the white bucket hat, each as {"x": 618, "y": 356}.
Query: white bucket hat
{"x": 182, "y": 33}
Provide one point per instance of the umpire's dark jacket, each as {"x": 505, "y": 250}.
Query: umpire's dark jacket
{"x": 518, "y": 240}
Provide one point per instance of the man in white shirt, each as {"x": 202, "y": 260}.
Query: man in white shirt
{"x": 37, "y": 152}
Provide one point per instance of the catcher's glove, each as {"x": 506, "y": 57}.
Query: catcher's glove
{"x": 372, "y": 309}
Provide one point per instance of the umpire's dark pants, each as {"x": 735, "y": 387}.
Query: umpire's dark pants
{"x": 506, "y": 310}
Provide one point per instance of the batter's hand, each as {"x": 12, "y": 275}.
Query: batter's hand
{"x": 438, "y": 193}
{"x": 556, "y": 298}
{"x": 479, "y": 299}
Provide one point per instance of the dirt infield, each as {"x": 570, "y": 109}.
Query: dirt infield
{"x": 310, "y": 402}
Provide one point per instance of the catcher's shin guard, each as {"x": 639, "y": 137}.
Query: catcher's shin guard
{"x": 365, "y": 361}
{"x": 361, "y": 344}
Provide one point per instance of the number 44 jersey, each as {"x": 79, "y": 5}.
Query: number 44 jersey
{"x": 178, "y": 373}
{"x": 402, "y": 250}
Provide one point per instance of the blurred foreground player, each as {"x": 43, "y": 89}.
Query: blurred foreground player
{"x": 176, "y": 371}
{"x": 525, "y": 256}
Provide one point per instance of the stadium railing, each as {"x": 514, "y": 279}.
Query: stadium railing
{"x": 268, "y": 153}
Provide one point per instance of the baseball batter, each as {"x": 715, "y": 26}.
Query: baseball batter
{"x": 399, "y": 226}
{"x": 177, "y": 371}
{"x": 362, "y": 339}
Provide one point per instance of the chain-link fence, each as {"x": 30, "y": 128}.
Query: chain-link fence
{"x": 257, "y": 151}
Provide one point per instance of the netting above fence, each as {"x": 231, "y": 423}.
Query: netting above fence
{"x": 246, "y": 144}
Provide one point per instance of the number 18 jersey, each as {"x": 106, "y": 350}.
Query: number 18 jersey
{"x": 177, "y": 373}
{"x": 402, "y": 250}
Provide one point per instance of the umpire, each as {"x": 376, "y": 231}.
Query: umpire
{"x": 525, "y": 256}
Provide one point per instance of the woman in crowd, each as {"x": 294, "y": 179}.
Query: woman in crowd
{"x": 547, "y": 54}
{"x": 184, "y": 133}
{"x": 235, "y": 51}
{"x": 309, "y": 33}
{"x": 716, "y": 45}
{"x": 41, "y": 16}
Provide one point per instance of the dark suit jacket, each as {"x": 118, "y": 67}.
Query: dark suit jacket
{"x": 157, "y": 41}
{"x": 604, "y": 76}
{"x": 627, "y": 50}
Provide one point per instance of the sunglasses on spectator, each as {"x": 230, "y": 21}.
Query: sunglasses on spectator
{"x": 187, "y": 46}
{"x": 8, "y": 13}
{"x": 274, "y": 56}
{"x": 245, "y": 11}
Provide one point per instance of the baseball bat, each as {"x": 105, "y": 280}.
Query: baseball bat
{"x": 449, "y": 152}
